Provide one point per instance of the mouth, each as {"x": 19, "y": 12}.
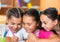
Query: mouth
{"x": 47, "y": 29}
{"x": 15, "y": 30}
{"x": 28, "y": 30}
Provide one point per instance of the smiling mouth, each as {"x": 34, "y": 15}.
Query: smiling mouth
{"x": 47, "y": 29}
{"x": 28, "y": 30}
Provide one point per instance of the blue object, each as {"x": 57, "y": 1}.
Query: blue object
{"x": 39, "y": 12}
{"x": 5, "y": 33}
{"x": 26, "y": 1}
{"x": 0, "y": 5}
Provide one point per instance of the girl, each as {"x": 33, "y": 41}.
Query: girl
{"x": 14, "y": 22}
{"x": 30, "y": 20}
{"x": 49, "y": 19}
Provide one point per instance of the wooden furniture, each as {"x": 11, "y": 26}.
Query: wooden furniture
{"x": 35, "y": 2}
{"x": 6, "y": 4}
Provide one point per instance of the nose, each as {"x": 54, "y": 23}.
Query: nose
{"x": 25, "y": 26}
{"x": 16, "y": 26}
{"x": 42, "y": 25}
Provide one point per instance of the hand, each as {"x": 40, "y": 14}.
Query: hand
{"x": 14, "y": 39}
{"x": 8, "y": 39}
{"x": 32, "y": 38}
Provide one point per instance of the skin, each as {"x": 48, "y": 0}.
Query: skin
{"x": 29, "y": 23}
{"x": 14, "y": 24}
{"x": 47, "y": 24}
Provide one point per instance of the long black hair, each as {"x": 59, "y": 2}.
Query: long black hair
{"x": 51, "y": 13}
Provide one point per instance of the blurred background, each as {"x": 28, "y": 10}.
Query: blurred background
{"x": 25, "y": 5}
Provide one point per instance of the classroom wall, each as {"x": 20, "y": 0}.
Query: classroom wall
{"x": 50, "y": 3}
{"x": 2, "y": 19}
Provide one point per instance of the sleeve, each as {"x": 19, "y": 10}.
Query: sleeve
{"x": 3, "y": 28}
{"x": 24, "y": 33}
{"x": 21, "y": 41}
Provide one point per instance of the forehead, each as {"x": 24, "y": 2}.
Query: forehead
{"x": 15, "y": 19}
{"x": 44, "y": 18}
{"x": 27, "y": 18}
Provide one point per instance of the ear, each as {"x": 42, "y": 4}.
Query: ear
{"x": 55, "y": 22}
{"x": 7, "y": 20}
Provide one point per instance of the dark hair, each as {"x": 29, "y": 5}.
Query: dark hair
{"x": 16, "y": 12}
{"x": 59, "y": 17}
{"x": 51, "y": 13}
{"x": 34, "y": 13}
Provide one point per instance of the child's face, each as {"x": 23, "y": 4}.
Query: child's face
{"x": 47, "y": 23}
{"x": 14, "y": 23}
{"x": 29, "y": 23}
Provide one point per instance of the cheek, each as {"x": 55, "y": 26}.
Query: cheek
{"x": 51, "y": 25}
{"x": 30, "y": 29}
{"x": 19, "y": 26}
{"x": 12, "y": 26}
{"x": 33, "y": 28}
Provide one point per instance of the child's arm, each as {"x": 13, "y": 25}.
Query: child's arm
{"x": 8, "y": 39}
{"x": 53, "y": 38}
{"x": 12, "y": 39}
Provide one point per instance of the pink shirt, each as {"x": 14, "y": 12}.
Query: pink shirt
{"x": 43, "y": 34}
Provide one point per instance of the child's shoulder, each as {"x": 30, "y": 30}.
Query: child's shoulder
{"x": 45, "y": 32}
{"x": 3, "y": 26}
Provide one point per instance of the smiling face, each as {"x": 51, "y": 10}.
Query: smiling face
{"x": 47, "y": 23}
{"x": 29, "y": 23}
{"x": 14, "y": 23}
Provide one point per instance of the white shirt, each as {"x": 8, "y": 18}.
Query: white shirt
{"x": 21, "y": 34}
{"x": 3, "y": 28}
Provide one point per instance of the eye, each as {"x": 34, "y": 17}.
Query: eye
{"x": 19, "y": 23}
{"x": 44, "y": 22}
{"x": 29, "y": 24}
{"x": 13, "y": 23}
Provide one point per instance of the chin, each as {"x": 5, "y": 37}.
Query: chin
{"x": 29, "y": 31}
{"x": 47, "y": 30}
{"x": 15, "y": 31}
